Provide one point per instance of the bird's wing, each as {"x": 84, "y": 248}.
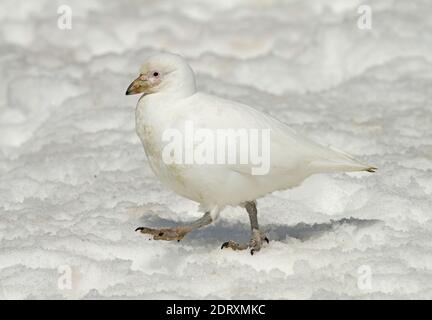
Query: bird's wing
{"x": 289, "y": 151}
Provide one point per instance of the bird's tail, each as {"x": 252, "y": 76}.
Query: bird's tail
{"x": 334, "y": 160}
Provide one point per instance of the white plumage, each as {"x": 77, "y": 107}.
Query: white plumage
{"x": 171, "y": 100}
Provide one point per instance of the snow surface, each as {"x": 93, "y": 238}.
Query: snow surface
{"x": 74, "y": 180}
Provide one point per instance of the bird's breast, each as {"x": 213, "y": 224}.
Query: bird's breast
{"x": 150, "y": 128}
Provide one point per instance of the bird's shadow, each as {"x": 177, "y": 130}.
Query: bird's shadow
{"x": 224, "y": 230}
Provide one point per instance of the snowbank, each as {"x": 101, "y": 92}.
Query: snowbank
{"x": 74, "y": 181}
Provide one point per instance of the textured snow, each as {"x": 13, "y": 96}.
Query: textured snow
{"x": 74, "y": 180}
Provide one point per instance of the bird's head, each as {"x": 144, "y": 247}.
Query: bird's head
{"x": 164, "y": 73}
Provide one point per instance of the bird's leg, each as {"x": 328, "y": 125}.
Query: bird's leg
{"x": 257, "y": 237}
{"x": 177, "y": 233}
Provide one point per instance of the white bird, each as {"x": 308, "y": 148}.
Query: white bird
{"x": 170, "y": 101}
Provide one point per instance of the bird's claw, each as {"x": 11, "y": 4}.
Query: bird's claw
{"x": 167, "y": 234}
{"x": 254, "y": 244}
{"x": 234, "y": 245}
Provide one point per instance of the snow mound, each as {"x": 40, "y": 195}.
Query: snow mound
{"x": 74, "y": 181}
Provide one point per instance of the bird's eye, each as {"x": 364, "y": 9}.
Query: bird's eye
{"x": 155, "y": 74}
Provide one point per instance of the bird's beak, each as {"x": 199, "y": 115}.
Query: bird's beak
{"x": 139, "y": 85}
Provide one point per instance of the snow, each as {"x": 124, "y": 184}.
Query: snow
{"x": 74, "y": 180}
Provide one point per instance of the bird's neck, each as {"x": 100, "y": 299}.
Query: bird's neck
{"x": 165, "y": 97}
{"x": 180, "y": 84}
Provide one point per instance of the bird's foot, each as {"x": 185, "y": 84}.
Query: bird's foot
{"x": 255, "y": 243}
{"x": 168, "y": 234}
